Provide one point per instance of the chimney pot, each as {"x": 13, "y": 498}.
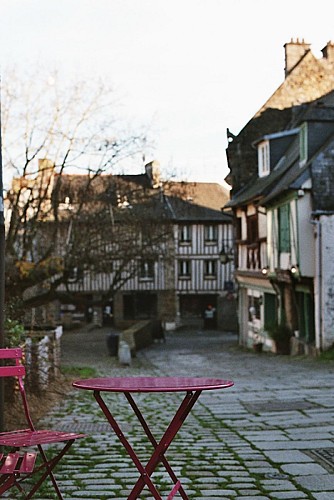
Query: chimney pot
{"x": 294, "y": 51}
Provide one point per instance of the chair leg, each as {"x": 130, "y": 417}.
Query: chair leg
{"x": 6, "y": 482}
{"x": 49, "y": 465}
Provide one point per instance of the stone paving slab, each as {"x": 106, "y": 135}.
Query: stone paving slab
{"x": 234, "y": 445}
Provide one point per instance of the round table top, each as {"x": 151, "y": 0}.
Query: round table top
{"x": 152, "y": 384}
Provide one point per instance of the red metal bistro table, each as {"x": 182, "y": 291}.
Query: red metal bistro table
{"x": 192, "y": 387}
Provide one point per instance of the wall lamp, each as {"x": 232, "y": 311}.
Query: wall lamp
{"x": 265, "y": 270}
{"x": 294, "y": 270}
{"x": 226, "y": 256}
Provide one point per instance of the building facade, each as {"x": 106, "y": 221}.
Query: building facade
{"x": 132, "y": 247}
{"x": 281, "y": 164}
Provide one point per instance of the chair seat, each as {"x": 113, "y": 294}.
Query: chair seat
{"x": 16, "y": 463}
{"x": 27, "y": 437}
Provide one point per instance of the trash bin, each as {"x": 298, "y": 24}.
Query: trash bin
{"x": 112, "y": 343}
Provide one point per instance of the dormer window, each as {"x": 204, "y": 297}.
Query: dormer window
{"x": 303, "y": 146}
{"x": 263, "y": 158}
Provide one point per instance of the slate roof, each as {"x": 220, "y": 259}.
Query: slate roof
{"x": 186, "y": 211}
{"x": 258, "y": 187}
{"x": 206, "y": 194}
{"x": 309, "y": 79}
{"x": 288, "y": 174}
{"x": 186, "y": 201}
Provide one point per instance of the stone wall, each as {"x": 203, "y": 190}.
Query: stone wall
{"x": 326, "y": 296}
{"x": 41, "y": 358}
{"x": 138, "y": 336}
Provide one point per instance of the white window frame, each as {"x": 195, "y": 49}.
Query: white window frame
{"x": 210, "y": 233}
{"x": 210, "y": 269}
{"x": 185, "y": 234}
{"x": 184, "y": 269}
{"x": 263, "y": 153}
{"x": 146, "y": 270}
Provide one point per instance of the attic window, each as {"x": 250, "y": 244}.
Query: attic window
{"x": 303, "y": 146}
{"x": 263, "y": 158}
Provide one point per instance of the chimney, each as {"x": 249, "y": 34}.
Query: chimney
{"x": 328, "y": 52}
{"x": 46, "y": 169}
{"x": 294, "y": 51}
{"x": 152, "y": 170}
{"x": 45, "y": 164}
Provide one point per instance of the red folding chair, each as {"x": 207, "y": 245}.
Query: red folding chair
{"x": 19, "y": 464}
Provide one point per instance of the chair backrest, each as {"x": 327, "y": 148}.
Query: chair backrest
{"x": 16, "y": 369}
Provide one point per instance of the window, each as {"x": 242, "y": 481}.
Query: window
{"x": 229, "y": 286}
{"x": 75, "y": 274}
{"x": 185, "y": 234}
{"x": 303, "y": 145}
{"x": 270, "y": 309}
{"x": 147, "y": 270}
{"x": 184, "y": 268}
{"x": 254, "y": 308}
{"x": 305, "y": 316}
{"x": 210, "y": 268}
{"x": 210, "y": 233}
{"x": 252, "y": 228}
{"x": 238, "y": 229}
{"x": 263, "y": 152}
{"x": 146, "y": 235}
{"x": 284, "y": 228}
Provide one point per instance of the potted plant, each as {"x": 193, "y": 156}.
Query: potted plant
{"x": 14, "y": 333}
{"x": 281, "y": 334}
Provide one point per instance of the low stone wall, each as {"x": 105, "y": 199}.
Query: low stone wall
{"x": 141, "y": 334}
{"x": 41, "y": 351}
{"x": 42, "y": 358}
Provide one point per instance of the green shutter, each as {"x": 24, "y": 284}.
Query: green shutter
{"x": 306, "y": 316}
{"x": 284, "y": 228}
{"x": 270, "y": 310}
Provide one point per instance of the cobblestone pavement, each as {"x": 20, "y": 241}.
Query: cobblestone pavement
{"x": 271, "y": 436}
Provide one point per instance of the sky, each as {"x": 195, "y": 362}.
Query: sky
{"x": 188, "y": 69}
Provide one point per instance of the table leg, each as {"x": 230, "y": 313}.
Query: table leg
{"x": 161, "y": 447}
{"x": 151, "y": 437}
{"x": 127, "y": 446}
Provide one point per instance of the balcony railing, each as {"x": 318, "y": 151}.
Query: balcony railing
{"x": 252, "y": 256}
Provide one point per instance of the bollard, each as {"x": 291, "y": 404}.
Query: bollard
{"x": 124, "y": 353}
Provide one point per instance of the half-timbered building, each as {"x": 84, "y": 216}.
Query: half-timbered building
{"x": 281, "y": 171}
{"x": 135, "y": 247}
